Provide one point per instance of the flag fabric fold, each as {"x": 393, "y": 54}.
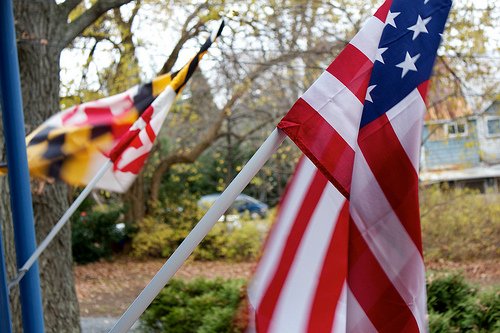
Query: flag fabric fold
{"x": 73, "y": 144}
{"x": 300, "y": 282}
{"x": 360, "y": 125}
{"x": 324, "y": 121}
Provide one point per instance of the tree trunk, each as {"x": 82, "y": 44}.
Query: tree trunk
{"x": 8, "y": 241}
{"x": 60, "y": 304}
{"x": 38, "y": 34}
{"x": 135, "y": 202}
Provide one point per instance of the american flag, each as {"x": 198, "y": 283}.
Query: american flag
{"x": 300, "y": 282}
{"x": 350, "y": 258}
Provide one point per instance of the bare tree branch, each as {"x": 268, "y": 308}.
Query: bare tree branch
{"x": 119, "y": 17}
{"x": 68, "y": 5}
{"x": 86, "y": 67}
{"x": 186, "y": 34}
{"x": 190, "y": 155}
{"x": 452, "y": 72}
{"x": 76, "y": 27}
{"x": 185, "y": 156}
{"x": 101, "y": 37}
{"x": 135, "y": 11}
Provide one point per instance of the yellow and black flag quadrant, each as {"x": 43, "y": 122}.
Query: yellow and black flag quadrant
{"x": 73, "y": 144}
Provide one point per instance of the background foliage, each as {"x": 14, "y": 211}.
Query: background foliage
{"x": 270, "y": 52}
{"x": 200, "y": 306}
{"x": 459, "y": 224}
{"x": 455, "y": 306}
{"x": 94, "y": 233}
{"x": 212, "y": 305}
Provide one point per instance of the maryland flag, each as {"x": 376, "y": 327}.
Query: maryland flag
{"x": 73, "y": 145}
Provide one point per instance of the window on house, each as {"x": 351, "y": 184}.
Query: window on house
{"x": 493, "y": 126}
{"x": 456, "y": 129}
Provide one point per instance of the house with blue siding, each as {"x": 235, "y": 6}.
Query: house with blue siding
{"x": 463, "y": 151}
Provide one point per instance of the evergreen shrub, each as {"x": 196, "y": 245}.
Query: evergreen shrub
{"x": 199, "y": 306}
{"x": 213, "y": 306}
{"x": 94, "y": 234}
{"x": 455, "y": 306}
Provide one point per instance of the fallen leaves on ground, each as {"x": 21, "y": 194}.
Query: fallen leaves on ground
{"x": 107, "y": 288}
{"x": 484, "y": 273}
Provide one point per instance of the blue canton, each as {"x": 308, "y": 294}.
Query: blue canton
{"x": 406, "y": 53}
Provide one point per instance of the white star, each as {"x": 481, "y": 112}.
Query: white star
{"x": 390, "y": 18}
{"x": 379, "y": 54}
{"x": 408, "y": 64}
{"x": 368, "y": 91}
{"x": 425, "y": 2}
{"x": 419, "y": 27}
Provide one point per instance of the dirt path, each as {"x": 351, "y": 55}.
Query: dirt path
{"x": 107, "y": 288}
{"x": 484, "y": 273}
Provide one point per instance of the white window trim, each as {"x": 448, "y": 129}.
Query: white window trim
{"x": 487, "y": 131}
{"x": 456, "y": 135}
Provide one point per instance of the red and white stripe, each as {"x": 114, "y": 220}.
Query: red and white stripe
{"x": 324, "y": 122}
{"x": 299, "y": 285}
{"x": 321, "y": 272}
{"x": 336, "y": 266}
{"x": 385, "y": 212}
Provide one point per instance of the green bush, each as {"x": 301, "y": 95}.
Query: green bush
{"x": 447, "y": 293}
{"x": 201, "y": 306}
{"x": 211, "y": 306}
{"x": 160, "y": 233}
{"x": 439, "y": 323}
{"x": 459, "y": 224}
{"x": 154, "y": 239}
{"x": 245, "y": 242}
{"x": 455, "y": 306}
{"x": 488, "y": 314}
{"x": 214, "y": 245}
{"x": 241, "y": 241}
{"x": 94, "y": 233}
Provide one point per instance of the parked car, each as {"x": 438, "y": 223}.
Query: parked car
{"x": 243, "y": 204}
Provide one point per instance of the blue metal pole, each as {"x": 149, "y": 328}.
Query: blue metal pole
{"x": 17, "y": 162}
{"x": 5, "y": 319}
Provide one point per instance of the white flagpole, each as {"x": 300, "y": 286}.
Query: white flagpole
{"x": 62, "y": 221}
{"x": 220, "y": 206}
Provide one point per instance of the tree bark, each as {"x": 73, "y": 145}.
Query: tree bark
{"x": 39, "y": 27}
{"x": 8, "y": 241}
{"x": 134, "y": 201}
{"x": 42, "y": 31}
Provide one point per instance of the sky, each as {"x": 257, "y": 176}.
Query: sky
{"x": 155, "y": 34}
